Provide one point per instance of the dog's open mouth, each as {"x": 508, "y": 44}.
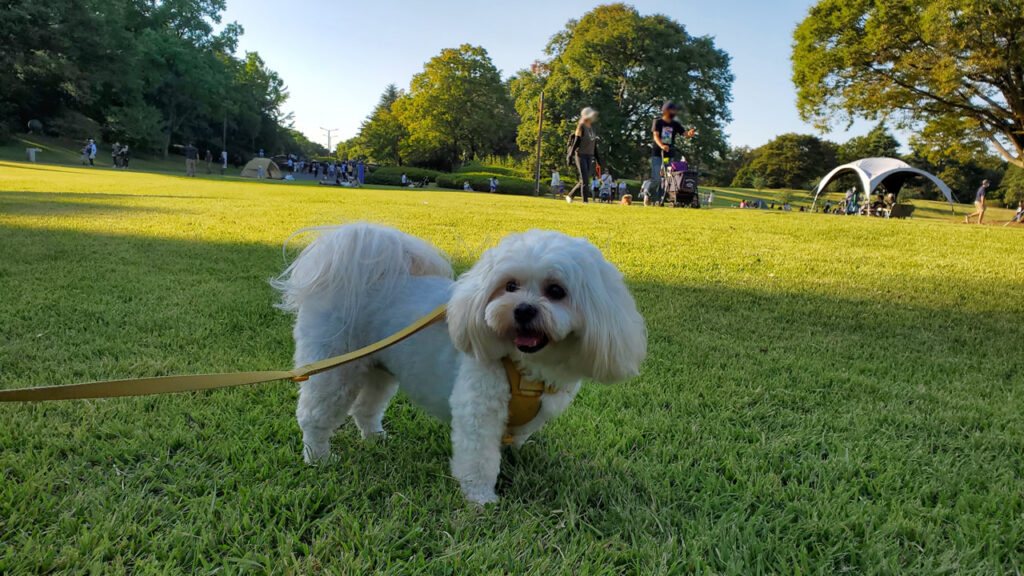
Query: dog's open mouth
{"x": 530, "y": 341}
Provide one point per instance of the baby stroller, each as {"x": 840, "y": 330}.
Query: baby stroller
{"x": 681, "y": 185}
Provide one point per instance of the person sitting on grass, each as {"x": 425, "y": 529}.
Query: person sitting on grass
{"x": 1019, "y": 216}
{"x": 645, "y": 191}
{"x": 607, "y": 183}
{"x": 466, "y": 187}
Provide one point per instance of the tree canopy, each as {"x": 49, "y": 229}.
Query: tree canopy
{"x": 625, "y": 65}
{"x": 457, "y": 109}
{"x": 381, "y": 134}
{"x": 149, "y": 74}
{"x": 793, "y": 161}
{"x": 879, "y": 143}
{"x": 953, "y": 69}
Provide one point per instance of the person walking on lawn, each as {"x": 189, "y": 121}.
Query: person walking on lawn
{"x": 667, "y": 130}
{"x": 583, "y": 153}
{"x": 979, "y": 203}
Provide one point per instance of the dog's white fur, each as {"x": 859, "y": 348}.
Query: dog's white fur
{"x": 359, "y": 283}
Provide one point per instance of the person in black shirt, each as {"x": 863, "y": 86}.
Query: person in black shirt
{"x": 667, "y": 132}
{"x": 583, "y": 153}
{"x": 191, "y": 158}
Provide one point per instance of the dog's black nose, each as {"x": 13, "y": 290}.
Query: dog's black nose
{"x": 524, "y": 313}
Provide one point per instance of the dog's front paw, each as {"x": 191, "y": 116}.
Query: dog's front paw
{"x": 374, "y": 437}
{"x": 316, "y": 453}
{"x": 481, "y": 498}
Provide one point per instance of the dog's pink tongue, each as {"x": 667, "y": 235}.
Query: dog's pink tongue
{"x": 528, "y": 340}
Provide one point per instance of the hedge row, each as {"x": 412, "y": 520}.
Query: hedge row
{"x": 480, "y": 182}
{"x": 392, "y": 175}
{"x": 499, "y": 171}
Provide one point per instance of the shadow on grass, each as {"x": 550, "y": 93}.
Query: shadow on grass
{"x": 43, "y": 167}
{"x": 72, "y": 203}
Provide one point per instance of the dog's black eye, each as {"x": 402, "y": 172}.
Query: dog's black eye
{"x": 554, "y": 292}
{"x": 512, "y": 286}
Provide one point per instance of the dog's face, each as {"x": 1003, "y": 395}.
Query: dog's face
{"x": 552, "y": 298}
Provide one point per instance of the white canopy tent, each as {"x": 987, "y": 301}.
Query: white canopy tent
{"x": 887, "y": 172}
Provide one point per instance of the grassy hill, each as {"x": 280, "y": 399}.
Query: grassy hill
{"x": 823, "y": 395}
{"x": 63, "y": 152}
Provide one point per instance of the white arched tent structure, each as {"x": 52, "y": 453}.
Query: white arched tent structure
{"x": 889, "y": 173}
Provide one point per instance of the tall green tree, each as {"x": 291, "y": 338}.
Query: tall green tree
{"x": 794, "y": 161}
{"x": 148, "y": 73}
{"x": 879, "y": 143}
{"x": 625, "y": 65}
{"x": 457, "y": 109}
{"x": 381, "y": 134}
{"x": 951, "y": 68}
{"x": 1013, "y": 187}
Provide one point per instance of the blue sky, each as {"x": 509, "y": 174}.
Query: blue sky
{"x": 337, "y": 56}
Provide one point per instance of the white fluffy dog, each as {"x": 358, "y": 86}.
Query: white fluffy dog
{"x": 549, "y": 303}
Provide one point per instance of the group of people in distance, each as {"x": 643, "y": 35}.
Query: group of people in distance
{"x": 584, "y": 154}
{"x": 335, "y": 173}
{"x": 120, "y": 156}
{"x": 492, "y": 185}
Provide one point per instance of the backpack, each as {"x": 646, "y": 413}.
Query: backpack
{"x": 574, "y": 143}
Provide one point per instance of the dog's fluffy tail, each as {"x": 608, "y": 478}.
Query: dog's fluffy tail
{"x": 344, "y": 265}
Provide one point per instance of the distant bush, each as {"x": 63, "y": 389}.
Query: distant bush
{"x": 75, "y": 126}
{"x": 493, "y": 166}
{"x": 480, "y": 182}
{"x": 392, "y": 175}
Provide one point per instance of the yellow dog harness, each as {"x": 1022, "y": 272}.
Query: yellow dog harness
{"x": 523, "y": 405}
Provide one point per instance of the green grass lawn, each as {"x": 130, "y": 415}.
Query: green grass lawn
{"x": 823, "y": 395}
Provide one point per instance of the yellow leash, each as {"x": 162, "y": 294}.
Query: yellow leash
{"x": 173, "y": 384}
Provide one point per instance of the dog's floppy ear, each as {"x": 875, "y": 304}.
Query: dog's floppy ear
{"x": 467, "y": 323}
{"x": 615, "y": 335}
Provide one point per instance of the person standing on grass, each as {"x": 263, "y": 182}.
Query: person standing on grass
{"x": 92, "y": 152}
{"x": 209, "y": 161}
{"x": 191, "y": 158}
{"x": 979, "y": 203}
{"x": 223, "y": 161}
{"x": 583, "y": 153}
{"x": 556, "y": 181}
{"x": 667, "y": 132}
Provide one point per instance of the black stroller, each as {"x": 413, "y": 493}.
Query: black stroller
{"x": 681, "y": 185}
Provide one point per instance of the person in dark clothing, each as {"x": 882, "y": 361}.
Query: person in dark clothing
{"x": 583, "y": 153}
{"x": 191, "y": 158}
{"x": 667, "y": 132}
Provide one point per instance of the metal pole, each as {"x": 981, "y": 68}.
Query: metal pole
{"x": 329, "y": 133}
{"x": 540, "y": 134}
